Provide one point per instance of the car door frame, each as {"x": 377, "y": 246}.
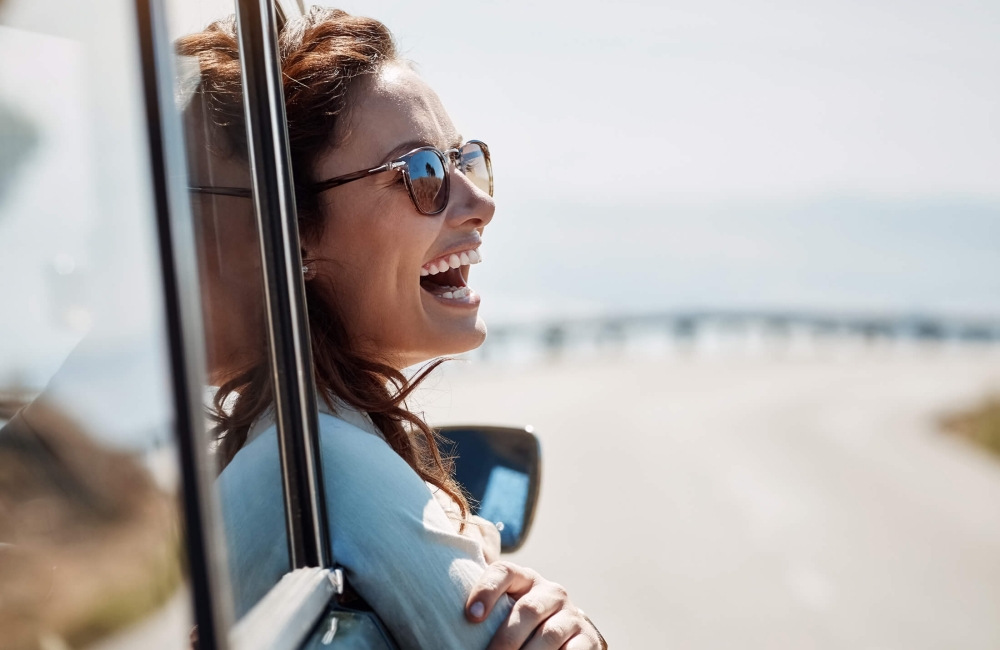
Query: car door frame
{"x": 287, "y": 326}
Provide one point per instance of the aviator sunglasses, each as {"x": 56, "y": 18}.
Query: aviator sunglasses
{"x": 425, "y": 173}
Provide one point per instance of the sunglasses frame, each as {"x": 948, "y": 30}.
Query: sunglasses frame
{"x": 402, "y": 163}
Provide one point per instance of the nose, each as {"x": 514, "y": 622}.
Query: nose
{"x": 469, "y": 208}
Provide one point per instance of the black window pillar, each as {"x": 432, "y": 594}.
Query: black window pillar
{"x": 287, "y": 322}
{"x": 208, "y": 576}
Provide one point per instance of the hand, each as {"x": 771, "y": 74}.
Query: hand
{"x": 543, "y": 617}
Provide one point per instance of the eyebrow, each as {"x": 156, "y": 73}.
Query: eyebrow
{"x": 410, "y": 145}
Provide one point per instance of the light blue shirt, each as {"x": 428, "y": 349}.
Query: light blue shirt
{"x": 398, "y": 547}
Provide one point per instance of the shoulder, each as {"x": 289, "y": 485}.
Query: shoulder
{"x": 343, "y": 442}
{"x": 360, "y": 466}
{"x": 337, "y": 426}
{"x": 334, "y": 431}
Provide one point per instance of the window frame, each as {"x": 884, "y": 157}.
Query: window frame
{"x": 286, "y": 318}
{"x": 295, "y": 398}
{"x": 185, "y": 333}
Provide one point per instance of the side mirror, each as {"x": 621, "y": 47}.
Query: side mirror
{"x": 501, "y": 469}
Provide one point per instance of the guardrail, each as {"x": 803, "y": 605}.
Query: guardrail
{"x": 555, "y": 335}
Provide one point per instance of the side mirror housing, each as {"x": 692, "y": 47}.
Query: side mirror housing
{"x": 501, "y": 469}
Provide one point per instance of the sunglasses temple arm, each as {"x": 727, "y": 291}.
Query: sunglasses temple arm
{"x": 354, "y": 176}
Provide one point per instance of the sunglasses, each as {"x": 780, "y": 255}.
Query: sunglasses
{"x": 425, "y": 173}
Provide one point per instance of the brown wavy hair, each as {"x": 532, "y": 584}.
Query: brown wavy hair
{"x": 324, "y": 55}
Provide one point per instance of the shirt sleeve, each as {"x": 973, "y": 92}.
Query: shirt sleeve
{"x": 397, "y": 545}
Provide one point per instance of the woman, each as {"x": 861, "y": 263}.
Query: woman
{"x": 392, "y": 208}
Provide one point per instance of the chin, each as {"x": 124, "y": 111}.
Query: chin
{"x": 464, "y": 339}
{"x": 480, "y": 335}
{"x": 454, "y": 341}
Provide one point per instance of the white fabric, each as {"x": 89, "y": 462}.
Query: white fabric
{"x": 399, "y": 549}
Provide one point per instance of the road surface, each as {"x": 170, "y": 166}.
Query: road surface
{"x": 772, "y": 502}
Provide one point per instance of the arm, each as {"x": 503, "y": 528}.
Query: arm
{"x": 398, "y": 547}
{"x": 479, "y": 529}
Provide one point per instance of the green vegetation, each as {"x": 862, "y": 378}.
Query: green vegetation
{"x": 980, "y": 424}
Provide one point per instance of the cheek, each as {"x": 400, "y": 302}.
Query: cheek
{"x": 373, "y": 258}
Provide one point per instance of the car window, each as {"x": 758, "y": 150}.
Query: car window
{"x": 211, "y": 107}
{"x": 91, "y": 542}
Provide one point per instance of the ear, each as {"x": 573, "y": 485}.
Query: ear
{"x": 308, "y": 265}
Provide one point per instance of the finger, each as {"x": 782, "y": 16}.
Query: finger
{"x": 581, "y": 642}
{"x": 528, "y": 615}
{"x": 499, "y": 578}
{"x": 555, "y": 632}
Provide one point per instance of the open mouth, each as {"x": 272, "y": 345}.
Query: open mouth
{"x": 446, "y": 277}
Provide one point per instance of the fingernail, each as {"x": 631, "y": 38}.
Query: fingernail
{"x": 477, "y": 609}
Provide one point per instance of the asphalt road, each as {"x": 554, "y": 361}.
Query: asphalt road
{"x": 769, "y": 502}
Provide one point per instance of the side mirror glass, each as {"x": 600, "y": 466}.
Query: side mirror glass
{"x": 501, "y": 469}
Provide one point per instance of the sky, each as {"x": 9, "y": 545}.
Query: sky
{"x": 648, "y": 156}
{"x": 719, "y": 99}
{"x": 728, "y": 153}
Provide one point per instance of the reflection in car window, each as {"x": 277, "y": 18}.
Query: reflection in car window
{"x": 209, "y": 93}
{"x": 90, "y": 537}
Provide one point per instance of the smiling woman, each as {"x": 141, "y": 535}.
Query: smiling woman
{"x": 376, "y": 244}
{"x": 392, "y": 210}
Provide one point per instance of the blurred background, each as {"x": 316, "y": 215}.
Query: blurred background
{"x": 743, "y": 279}
{"x": 91, "y": 542}
{"x": 828, "y": 156}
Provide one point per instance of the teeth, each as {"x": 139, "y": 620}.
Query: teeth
{"x": 455, "y": 293}
{"x": 453, "y": 261}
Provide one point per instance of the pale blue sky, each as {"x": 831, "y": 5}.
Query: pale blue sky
{"x": 835, "y": 155}
{"x": 718, "y": 99}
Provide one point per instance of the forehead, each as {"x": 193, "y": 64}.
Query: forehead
{"x": 396, "y": 107}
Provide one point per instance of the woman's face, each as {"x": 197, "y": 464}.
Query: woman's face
{"x": 375, "y": 244}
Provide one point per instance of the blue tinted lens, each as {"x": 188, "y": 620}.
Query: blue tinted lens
{"x": 428, "y": 185}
